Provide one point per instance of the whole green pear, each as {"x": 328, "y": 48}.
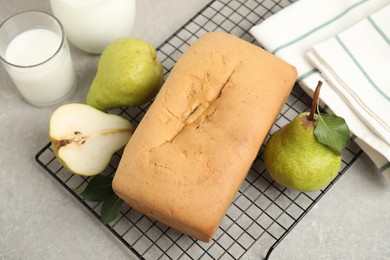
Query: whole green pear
{"x": 295, "y": 159}
{"x": 128, "y": 74}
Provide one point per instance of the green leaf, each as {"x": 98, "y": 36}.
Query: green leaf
{"x": 111, "y": 208}
{"x": 98, "y": 189}
{"x": 333, "y": 131}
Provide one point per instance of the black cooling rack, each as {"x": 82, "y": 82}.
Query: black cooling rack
{"x": 262, "y": 213}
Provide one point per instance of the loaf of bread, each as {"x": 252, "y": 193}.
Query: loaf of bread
{"x": 196, "y": 143}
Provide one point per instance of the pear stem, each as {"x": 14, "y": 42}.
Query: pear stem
{"x": 314, "y": 101}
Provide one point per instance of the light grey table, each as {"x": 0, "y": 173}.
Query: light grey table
{"x": 41, "y": 220}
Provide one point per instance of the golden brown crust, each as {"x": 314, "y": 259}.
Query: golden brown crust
{"x": 192, "y": 150}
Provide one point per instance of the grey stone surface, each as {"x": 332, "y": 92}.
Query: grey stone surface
{"x": 41, "y": 220}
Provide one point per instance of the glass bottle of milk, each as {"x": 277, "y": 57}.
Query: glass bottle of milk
{"x": 93, "y": 24}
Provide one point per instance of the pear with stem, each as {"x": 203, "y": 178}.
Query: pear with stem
{"x": 294, "y": 156}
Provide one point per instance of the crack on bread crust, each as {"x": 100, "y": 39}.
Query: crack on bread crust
{"x": 200, "y": 113}
{"x": 171, "y": 113}
{"x": 161, "y": 166}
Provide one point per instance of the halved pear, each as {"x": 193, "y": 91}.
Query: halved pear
{"x": 84, "y": 138}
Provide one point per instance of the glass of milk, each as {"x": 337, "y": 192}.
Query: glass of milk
{"x": 93, "y": 24}
{"x": 35, "y": 53}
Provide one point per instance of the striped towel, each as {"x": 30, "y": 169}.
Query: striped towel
{"x": 356, "y": 62}
{"x": 301, "y": 33}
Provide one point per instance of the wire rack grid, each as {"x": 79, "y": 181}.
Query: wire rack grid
{"x": 262, "y": 212}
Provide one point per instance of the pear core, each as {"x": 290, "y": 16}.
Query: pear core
{"x": 295, "y": 159}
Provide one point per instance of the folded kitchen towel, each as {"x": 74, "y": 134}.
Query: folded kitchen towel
{"x": 356, "y": 63}
{"x": 291, "y": 34}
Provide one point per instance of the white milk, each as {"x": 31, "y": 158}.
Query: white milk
{"x": 44, "y": 72}
{"x": 93, "y": 24}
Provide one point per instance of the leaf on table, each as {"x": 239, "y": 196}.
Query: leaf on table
{"x": 333, "y": 131}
